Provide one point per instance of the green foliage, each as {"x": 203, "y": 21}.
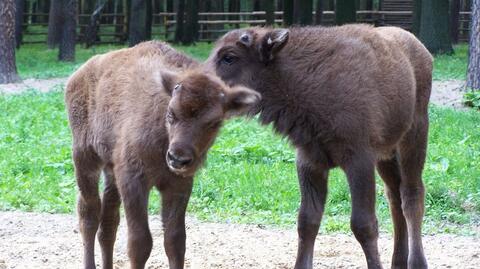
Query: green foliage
{"x": 472, "y": 99}
{"x": 249, "y": 175}
{"x": 453, "y": 66}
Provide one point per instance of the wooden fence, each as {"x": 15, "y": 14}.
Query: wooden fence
{"x": 113, "y": 26}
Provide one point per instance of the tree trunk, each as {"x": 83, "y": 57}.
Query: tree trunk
{"x": 68, "y": 30}
{"x": 302, "y": 12}
{"x": 473, "y": 73}
{"x": 190, "y": 32}
{"x": 20, "y": 6}
{"x": 269, "y": 7}
{"x": 454, "y": 20}
{"x": 319, "y": 12}
{"x": 8, "y": 69}
{"x": 138, "y": 20}
{"x": 416, "y": 17}
{"x": 234, "y": 6}
{"x": 149, "y": 18}
{"x": 345, "y": 12}
{"x": 434, "y": 30}
{"x": 91, "y": 32}
{"x": 54, "y": 25}
{"x": 287, "y": 12}
{"x": 180, "y": 17}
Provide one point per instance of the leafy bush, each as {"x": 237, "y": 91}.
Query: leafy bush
{"x": 472, "y": 99}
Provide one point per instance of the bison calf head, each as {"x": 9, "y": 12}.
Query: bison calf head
{"x": 241, "y": 55}
{"x": 200, "y": 103}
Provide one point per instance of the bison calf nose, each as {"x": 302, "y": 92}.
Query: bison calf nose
{"x": 178, "y": 161}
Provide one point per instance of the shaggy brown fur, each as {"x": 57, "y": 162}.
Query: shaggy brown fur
{"x": 354, "y": 97}
{"x": 146, "y": 117}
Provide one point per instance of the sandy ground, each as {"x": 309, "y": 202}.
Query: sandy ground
{"x": 447, "y": 93}
{"x": 41, "y": 240}
{"x": 42, "y": 85}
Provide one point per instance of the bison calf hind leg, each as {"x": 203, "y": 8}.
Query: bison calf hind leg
{"x": 110, "y": 218}
{"x": 389, "y": 170}
{"x": 87, "y": 172}
{"x": 360, "y": 170}
{"x": 412, "y": 158}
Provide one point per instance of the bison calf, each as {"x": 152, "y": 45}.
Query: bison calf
{"x": 355, "y": 97}
{"x": 146, "y": 117}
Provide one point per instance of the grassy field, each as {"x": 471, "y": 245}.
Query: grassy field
{"x": 36, "y": 61}
{"x": 250, "y": 172}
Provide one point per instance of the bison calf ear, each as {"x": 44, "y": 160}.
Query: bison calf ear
{"x": 240, "y": 101}
{"x": 169, "y": 81}
{"x": 272, "y": 43}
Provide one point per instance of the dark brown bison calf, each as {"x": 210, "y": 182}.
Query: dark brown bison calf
{"x": 354, "y": 97}
{"x": 145, "y": 117}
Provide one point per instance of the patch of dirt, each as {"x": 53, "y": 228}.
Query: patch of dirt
{"x": 447, "y": 93}
{"x": 41, "y": 240}
{"x": 42, "y": 85}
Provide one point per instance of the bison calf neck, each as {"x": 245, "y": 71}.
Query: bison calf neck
{"x": 146, "y": 117}
{"x": 354, "y": 97}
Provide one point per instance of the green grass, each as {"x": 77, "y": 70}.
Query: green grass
{"x": 36, "y": 61}
{"x": 250, "y": 172}
{"x": 451, "y": 66}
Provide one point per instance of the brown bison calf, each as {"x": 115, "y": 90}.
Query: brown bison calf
{"x": 144, "y": 116}
{"x": 355, "y": 97}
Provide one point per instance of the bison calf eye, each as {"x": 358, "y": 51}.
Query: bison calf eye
{"x": 214, "y": 125}
{"x": 228, "y": 59}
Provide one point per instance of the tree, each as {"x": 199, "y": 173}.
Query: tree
{"x": 302, "y": 12}
{"x": 190, "y": 33}
{"x": 19, "y": 8}
{"x": 54, "y": 23}
{"x": 68, "y": 32}
{"x": 473, "y": 73}
{"x": 319, "y": 12}
{"x": 345, "y": 12}
{"x": 287, "y": 12}
{"x": 454, "y": 20}
{"x": 8, "y": 69}
{"x": 138, "y": 22}
{"x": 180, "y": 18}
{"x": 269, "y": 7}
{"x": 234, "y": 6}
{"x": 91, "y": 32}
{"x": 417, "y": 13}
{"x": 434, "y": 29}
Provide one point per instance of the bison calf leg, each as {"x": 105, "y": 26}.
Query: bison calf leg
{"x": 110, "y": 218}
{"x": 87, "y": 172}
{"x": 134, "y": 191}
{"x": 360, "y": 171}
{"x": 389, "y": 170}
{"x": 174, "y": 204}
{"x": 412, "y": 158}
{"x": 313, "y": 188}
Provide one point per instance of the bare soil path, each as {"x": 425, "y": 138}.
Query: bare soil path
{"x": 448, "y": 93}
{"x": 42, "y": 240}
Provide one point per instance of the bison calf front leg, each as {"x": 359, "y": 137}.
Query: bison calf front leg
{"x": 134, "y": 192}
{"x": 313, "y": 188}
{"x": 174, "y": 203}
